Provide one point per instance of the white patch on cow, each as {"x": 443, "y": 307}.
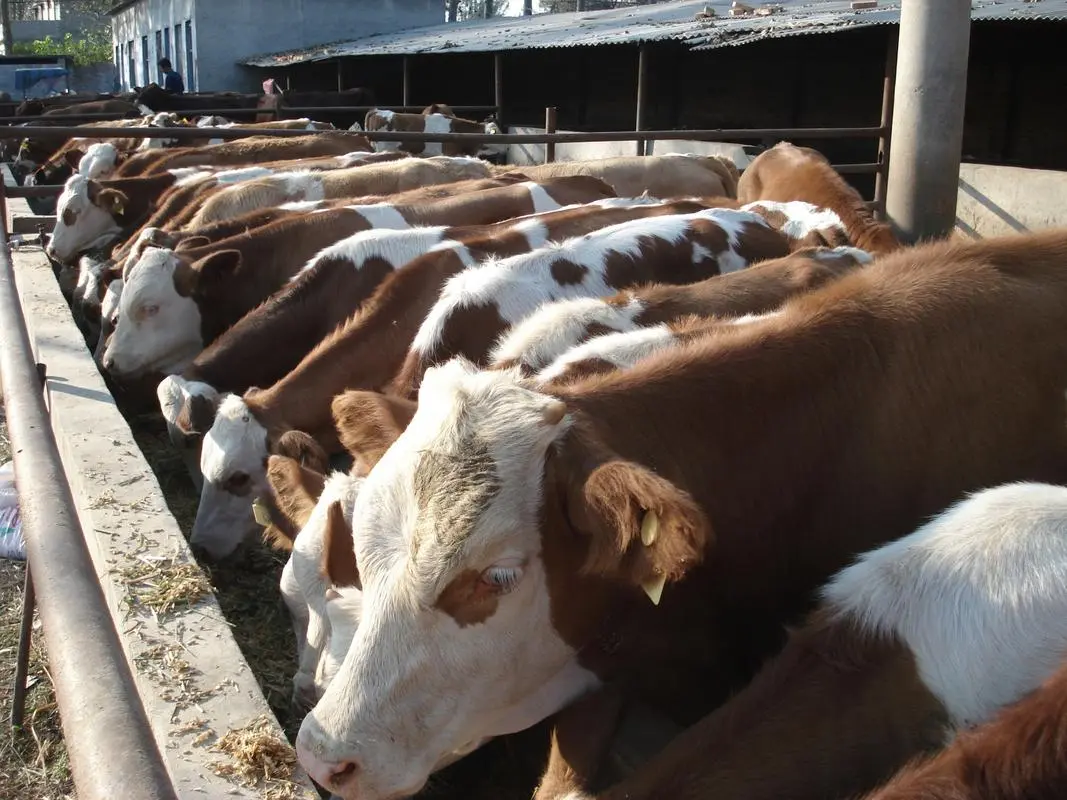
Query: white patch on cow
{"x": 733, "y": 224}
{"x": 157, "y": 329}
{"x": 557, "y": 327}
{"x": 381, "y": 215}
{"x": 302, "y": 185}
{"x": 232, "y": 457}
{"x": 748, "y": 319}
{"x": 145, "y": 110}
{"x": 860, "y": 256}
{"x": 109, "y": 309}
{"x": 306, "y": 560}
{"x": 462, "y": 252}
{"x": 802, "y": 219}
{"x": 385, "y": 114}
{"x": 516, "y": 286}
{"x": 242, "y": 174}
{"x": 416, "y": 688}
{"x": 184, "y": 176}
{"x": 622, "y": 350}
{"x": 353, "y": 159}
{"x": 395, "y": 247}
{"x": 88, "y": 292}
{"x": 979, "y": 595}
{"x": 90, "y": 226}
{"x": 99, "y": 160}
{"x": 542, "y": 200}
{"x": 303, "y": 205}
{"x": 435, "y": 123}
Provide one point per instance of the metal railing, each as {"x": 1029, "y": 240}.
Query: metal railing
{"x": 110, "y": 744}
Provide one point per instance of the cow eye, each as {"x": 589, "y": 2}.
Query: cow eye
{"x": 69, "y": 217}
{"x": 149, "y": 310}
{"x": 237, "y": 482}
{"x": 502, "y": 579}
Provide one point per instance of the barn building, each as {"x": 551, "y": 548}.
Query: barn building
{"x": 205, "y": 41}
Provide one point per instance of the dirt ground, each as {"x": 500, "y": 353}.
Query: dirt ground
{"x": 33, "y": 759}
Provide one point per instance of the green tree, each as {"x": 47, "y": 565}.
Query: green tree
{"x": 92, "y": 47}
{"x": 559, "y": 6}
{"x": 475, "y": 9}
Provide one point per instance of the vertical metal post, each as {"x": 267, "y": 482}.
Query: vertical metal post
{"x": 22, "y": 656}
{"x": 340, "y": 75}
{"x": 888, "y": 83}
{"x": 642, "y": 76}
{"x": 550, "y": 127}
{"x": 929, "y": 98}
{"x": 406, "y": 90}
{"x": 498, "y": 88}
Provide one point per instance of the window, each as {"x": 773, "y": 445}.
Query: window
{"x": 178, "y": 51}
{"x": 165, "y": 35}
{"x": 131, "y": 66}
{"x": 146, "y": 74}
{"x": 190, "y": 80}
{"x": 159, "y": 45}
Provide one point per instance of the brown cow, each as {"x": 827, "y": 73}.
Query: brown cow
{"x": 527, "y": 536}
{"x": 787, "y": 172}
{"x": 429, "y": 121}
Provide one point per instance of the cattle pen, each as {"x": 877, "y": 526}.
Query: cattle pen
{"x": 151, "y": 681}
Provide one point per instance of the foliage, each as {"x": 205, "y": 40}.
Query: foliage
{"x": 557, "y": 6}
{"x": 475, "y": 9}
{"x": 90, "y": 47}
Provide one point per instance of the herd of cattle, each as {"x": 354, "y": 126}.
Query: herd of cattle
{"x": 634, "y": 432}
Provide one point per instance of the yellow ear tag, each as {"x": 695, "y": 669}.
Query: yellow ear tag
{"x": 118, "y": 207}
{"x": 260, "y": 512}
{"x": 649, "y": 528}
{"x": 654, "y": 588}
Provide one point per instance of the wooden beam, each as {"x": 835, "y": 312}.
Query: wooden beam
{"x": 498, "y": 88}
{"x": 550, "y": 127}
{"x": 888, "y": 88}
{"x": 406, "y": 91}
{"x": 642, "y": 78}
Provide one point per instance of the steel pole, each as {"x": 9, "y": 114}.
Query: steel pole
{"x": 112, "y": 751}
{"x": 928, "y": 106}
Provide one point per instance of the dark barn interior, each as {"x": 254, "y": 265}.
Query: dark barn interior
{"x": 818, "y": 80}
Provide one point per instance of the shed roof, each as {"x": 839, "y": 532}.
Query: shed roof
{"x": 682, "y": 20}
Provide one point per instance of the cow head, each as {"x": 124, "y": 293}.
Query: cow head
{"x": 159, "y": 321}
{"x": 233, "y": 460}
{"x": 109, "y": 312}
{"x": 88, "y": 216}
{"x": 491, "y": 537}
{"x": 98, "y": 161}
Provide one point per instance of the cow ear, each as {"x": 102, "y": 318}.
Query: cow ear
{"x": 189, "y": 242}
{"x": 303, "y": 448}
{"x": 112, "y": 201}
{"x": 339, "y": 565}
{"x": 73, "y": 158}
{"x": 294, "y": 490}
{"x": 197, "y": 414}
{"x": 217, "y": 266}
{"x": 642, "y": 529}
{"x": 368, "y": 423}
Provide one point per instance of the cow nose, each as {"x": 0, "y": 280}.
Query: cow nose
{"x": 332, "y": 776}
{"x": 109, "y": 362}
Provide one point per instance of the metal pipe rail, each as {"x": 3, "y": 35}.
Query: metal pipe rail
{"x": 112, "y": 751}
{"x": 249, "y": 111}
{"x": 714, "y": 134}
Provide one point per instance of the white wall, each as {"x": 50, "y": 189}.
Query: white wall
{"x": 145, "y": 18}
{"x": 994, "y": 201}
{"x": 525, "y": 154}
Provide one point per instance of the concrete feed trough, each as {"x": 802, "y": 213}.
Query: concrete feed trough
{"x": 195, "y": 683}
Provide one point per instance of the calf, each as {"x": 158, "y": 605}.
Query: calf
{"x": 787, "y": 172}
{"x": 196, "y": 311}
{"x": 357, "y": 181}
{"x": 427, "y": 122}
{"x": 669, "y": 176}
{"x": 253, "y": 150}
{"x": 479, "y": 305}
{"x": 557, "y": 327}
{"x": 924, "y": 637}
{"x": 518, "y": 536}
{"x": 365, "y": 353}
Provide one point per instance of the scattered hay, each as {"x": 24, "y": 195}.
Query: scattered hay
{"x": 165, "y": 584}
{"x": 260, "y": 758}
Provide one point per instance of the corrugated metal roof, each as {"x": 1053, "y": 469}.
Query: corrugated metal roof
{"x": 685, "y": 21}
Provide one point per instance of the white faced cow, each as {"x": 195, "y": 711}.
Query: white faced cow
{"x": 86, "y": 218}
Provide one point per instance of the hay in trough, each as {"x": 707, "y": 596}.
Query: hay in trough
{"x": 260, "y": 758}
{"x": 164, "y": 584}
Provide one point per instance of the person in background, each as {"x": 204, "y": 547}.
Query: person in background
{"x": 172, "y": 81}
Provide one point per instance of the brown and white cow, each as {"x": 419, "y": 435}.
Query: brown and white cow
{"x": 669, "y": 176}
{"x": 786, "y": 172}
{"x": 195, "y": 293}
{"x": 364, "y": 353}
{"x": 480, "y": 304}
{"x": 919, "y": 641}
{"x": 382, "y": 120}
{"x": 513, "y": 545}
{"x": 253, "y": 150}
{"x": 556, "y": 328}
{"x": 364, "y": 179}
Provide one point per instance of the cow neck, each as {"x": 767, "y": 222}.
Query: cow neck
{"x": 477, "y": 208}
{"x": 142, "y": 194}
